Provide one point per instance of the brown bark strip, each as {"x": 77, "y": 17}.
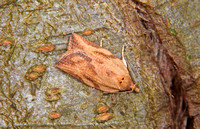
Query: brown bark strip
{"x": 166, "y": 51}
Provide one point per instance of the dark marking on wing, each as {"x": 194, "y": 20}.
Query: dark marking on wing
{"x": 92, "y": 69}
{"x": 110, "y": 73}
{"x": 99, "y": 61}
{"x": 67, "y": 59}
{"x": 105, "y": 55}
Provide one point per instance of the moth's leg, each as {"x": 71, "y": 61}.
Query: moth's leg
{"x": 123, "y": 56}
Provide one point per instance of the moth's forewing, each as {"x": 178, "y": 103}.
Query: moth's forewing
{"x": 78, "y": 64}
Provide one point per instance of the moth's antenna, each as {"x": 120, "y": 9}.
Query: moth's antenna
{"x": 123, "y": 56}
{"x": 101, "y": 43}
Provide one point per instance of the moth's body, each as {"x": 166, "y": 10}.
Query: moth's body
{"x": 95, "y": 66}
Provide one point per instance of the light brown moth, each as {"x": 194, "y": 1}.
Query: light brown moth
{"x": 95, "y": 66}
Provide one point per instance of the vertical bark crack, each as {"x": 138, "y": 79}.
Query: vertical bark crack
{"x": 172, "y": 69}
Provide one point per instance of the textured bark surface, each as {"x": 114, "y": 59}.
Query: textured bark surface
{"x": 165, "y": 67}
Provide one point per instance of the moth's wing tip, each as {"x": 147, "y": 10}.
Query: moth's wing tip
{"x": 61, "y": 65}
{"x": 61, "y": 60}
{"x": 72, "y": 41}
{"x": 58, "y": 64}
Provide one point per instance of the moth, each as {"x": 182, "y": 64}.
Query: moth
{"x": 95, "y": 66}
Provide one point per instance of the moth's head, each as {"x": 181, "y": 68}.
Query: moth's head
{"x": 125, "y": 83}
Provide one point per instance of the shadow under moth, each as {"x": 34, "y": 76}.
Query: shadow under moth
{"x": 95, "y": 66}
